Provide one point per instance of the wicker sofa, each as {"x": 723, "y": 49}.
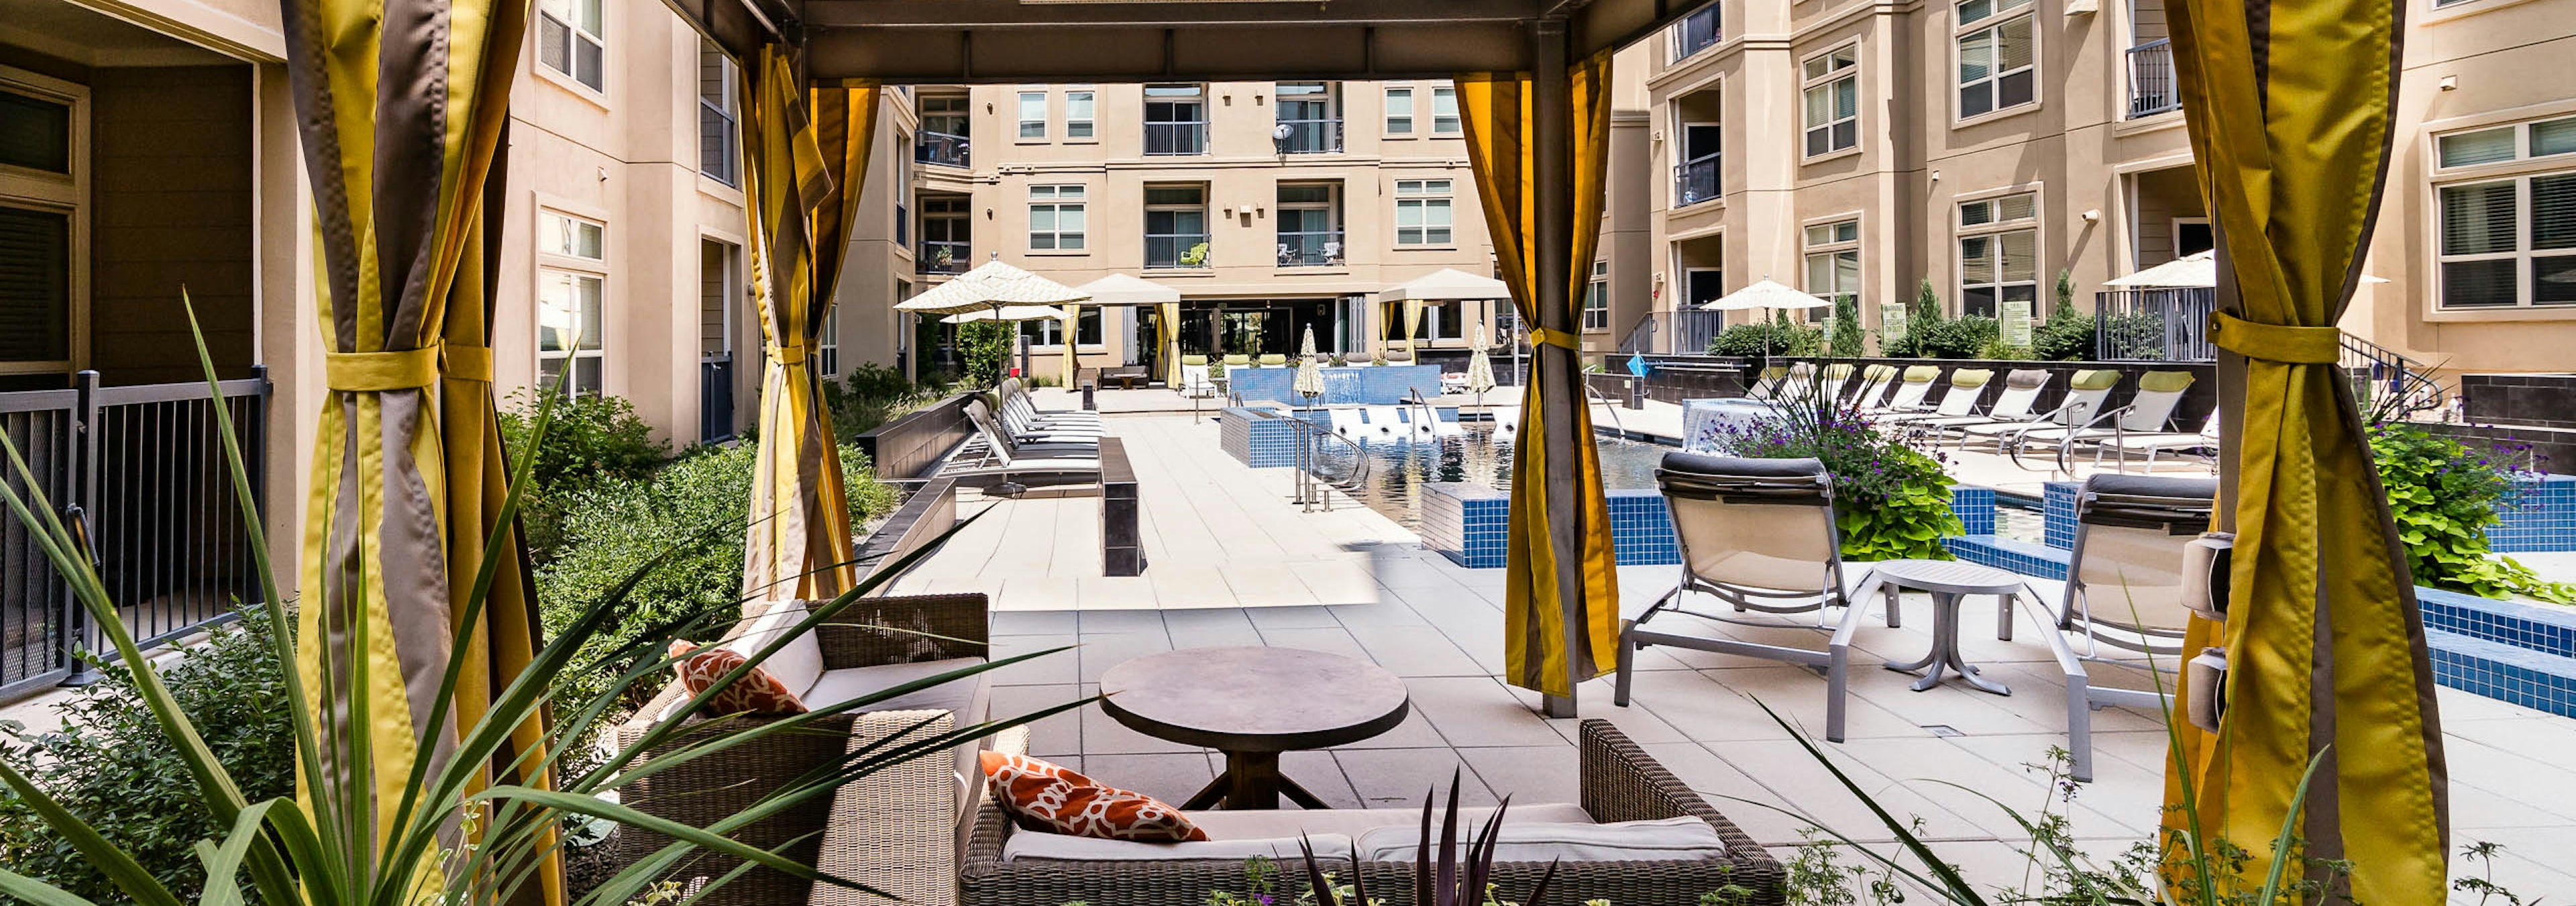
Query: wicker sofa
{"x": 898, "y": 829}
{"x": 1619, "y": 782}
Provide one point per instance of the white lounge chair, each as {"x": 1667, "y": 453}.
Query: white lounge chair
{"x": 1910, "y": 390}
{"x": 2124, "y": 589}
{"x": 1966, "y": 385}
{"x": 2086, "y": 396}
{"x": 995, "y": 453}
{"x": 2148, "y": 412}
{"x": 2156, "y": 444}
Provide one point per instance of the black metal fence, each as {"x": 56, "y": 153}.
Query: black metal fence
{"x": 940, "y": 148}
{"x": 2152, "y": 88}
{"x": 139, "y": 472}
{"x": 1695, "y": 181}
{"x": 1683, "y": 332}
{"x": 2153, "y": 325}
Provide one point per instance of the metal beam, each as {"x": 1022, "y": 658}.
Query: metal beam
{"x": 1145, "y": 52}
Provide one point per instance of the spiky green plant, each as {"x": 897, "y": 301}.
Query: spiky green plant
{"x": 446, "y": 841}
{"x": 1446, "y": 876}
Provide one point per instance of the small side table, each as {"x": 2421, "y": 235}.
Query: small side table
{"x": 1253, "y": 703}
{"x": 1948, "y": 581}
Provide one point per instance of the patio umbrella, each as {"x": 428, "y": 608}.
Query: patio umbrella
{"x": 1765, "y": 294}
{"x": 1121, "y": 289}
{"x": 994, "y": 284}
{"x": 1005, "y": 313}
{"x": 2198, "y": 270}
{"x": 1447, "y": 284}
{"x": 1310, "y": 379}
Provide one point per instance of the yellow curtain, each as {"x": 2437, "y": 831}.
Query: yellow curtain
{"x": 408, "y": 474}
{"x": 1171, "y": 331}
{"x": 1549, "y": 555}
{"x": 1412, "y": 324}
{"x": 1072, "y": 360}
{"x": 805, "y": 155}
{"x": 2289, "y": 106}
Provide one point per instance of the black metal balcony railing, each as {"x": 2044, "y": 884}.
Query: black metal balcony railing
{"x": 942, "y": 257}
{"x": 1311, "y": 137}
{"x": 2153, "y": 325}
{"x": 1310, "y": 248}
{"x": 715, "y": 398}
{"x": 2152, "y": 89}
{"x": 1170, "y": 138}
{"x": 1685, "y": 332}
{"x": 1175, "y": 250}
{"x": 940, "y": 148}
{"x": 1695, "y": 182}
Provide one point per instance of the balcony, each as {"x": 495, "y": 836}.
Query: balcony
{"x": 1309, "y": 136}
{"x": 940, "y": 148}
{"x": 943, "y": 257}
{"x": 1310, "y": 249}
{"x": 1176, "y": 137}
{"x": 1695, "y": 182}
{"x": 1177, "y": 250}
{"x": 2152, "y": 89}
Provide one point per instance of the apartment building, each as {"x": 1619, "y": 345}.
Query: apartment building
{"x": 1852, "y": 148}
{"x": 1271, "y": 207}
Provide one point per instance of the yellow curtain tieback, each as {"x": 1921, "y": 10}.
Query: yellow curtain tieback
{"x": 2286, "y": 343}
{"x": 408, "y": 369}
{"x": 1540, "y": 336}
{"x": 790, "y": 354}
{"x": 467, "y": 363}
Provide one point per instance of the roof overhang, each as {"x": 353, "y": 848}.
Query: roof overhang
{"x": 968, "y": 41}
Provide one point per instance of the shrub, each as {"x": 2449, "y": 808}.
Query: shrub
{"x": 1847, "y": 339}
{"x": 111, "y": 765}
{"x": 2067, "y": 334}
{"x": 1891, "y": 501}
{"x": 592, "y": 439}
{"x": 872, "y": 395}
{"x": 695, "y": 509}
{"x": 2444, "y": 497}
{"x": 1767, "y": 338}
{"x": 1954, "y": 338}
{"x": 1924, "y": 311}
{"x": 983, "y": 346}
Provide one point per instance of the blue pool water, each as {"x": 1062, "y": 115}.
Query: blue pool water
{"x": 1398, "y": 469}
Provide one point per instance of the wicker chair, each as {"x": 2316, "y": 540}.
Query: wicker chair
{"x": 897, "y": 829}
{"x": 1620, "y": 782}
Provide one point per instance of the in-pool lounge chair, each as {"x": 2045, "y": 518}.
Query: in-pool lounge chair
{"x": 2124, "y": 589}
{"x": 1757, "y": 534}
{"x": 2086, "y": 396}
{"x": 2149, "y": 412}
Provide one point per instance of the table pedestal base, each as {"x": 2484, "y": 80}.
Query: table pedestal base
{"x": 1251, "y": 781}
{"x": 1945, "y": 650}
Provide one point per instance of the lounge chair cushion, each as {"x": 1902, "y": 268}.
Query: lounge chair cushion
{"x": 796, "y": 664}
{"x": 1257, "y": 824}
{"x": 1029, "y": 847}
{"x": 964, "y": 696}
{"x": 1665, "y": 840}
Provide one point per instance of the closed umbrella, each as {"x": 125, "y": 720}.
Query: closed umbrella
{"x": 1310, "y": 378}
{"x": 1480, "y": 369}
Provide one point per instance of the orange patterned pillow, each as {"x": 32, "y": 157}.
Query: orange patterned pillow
{"x": 757, "y": 692}
{"x": 1045, "y": 797}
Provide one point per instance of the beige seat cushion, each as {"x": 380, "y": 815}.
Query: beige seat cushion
{"x": 1667, "y": 840}
{"x": 1027, "y": 846}
{"x": 966, "y": 696}
{"x": 797, "y": 664}
{"x": 1261, "y": 824}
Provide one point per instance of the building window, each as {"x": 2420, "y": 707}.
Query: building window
{"x": 1078, "y": 114}
{"x": 1399, "y": 111}
{"x": 569, "y": 236}
{"x": 1422, "y": 212}
{"x": 1695, "y": 178}
{"x": 1998, "y": 53}
{"x": 1050, "y": 331}
{"x": 1310, "y": 229}
{"x": 569, "y": 40}
{"x": 1833, "y": 266}
{"x": 943, "y": 131}
{"x": 945, "y": 236}
{"x": 1033, "y": 115}
{"x": 569, "y": 345}
{"x": 719, "y": 117}
{"x": 1832, "y": 90}
{"x": 1055, "y": 218}
{"x": 1307, "y": 122}
{"x": 827, "y": 347}
{"x": 1176, "y": 230}
{"x": 1596, "y": 298}
{"x": 1175, "y": 119}
{"x": 1695, "y": 32}
{"x": 2507, "y": 240}
{"x": 41, "y": 197}
{"x": 1444, "y": 110}
{"x": 1998, "y": 253}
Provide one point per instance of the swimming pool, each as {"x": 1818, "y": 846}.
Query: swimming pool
{"x": 1398, "y": 469}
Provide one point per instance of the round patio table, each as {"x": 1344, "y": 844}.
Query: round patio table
{"x": 1948, "y": 581}
{"x": 1253, "y": 703}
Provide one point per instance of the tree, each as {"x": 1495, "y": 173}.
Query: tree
{"x": 1846, "y": 339}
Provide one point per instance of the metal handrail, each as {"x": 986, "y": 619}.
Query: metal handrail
{"x": 2388, "y": 379}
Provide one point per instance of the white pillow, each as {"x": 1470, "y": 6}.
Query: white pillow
{"x": 796, "y": 664}
{"x": 1666, "y": 840}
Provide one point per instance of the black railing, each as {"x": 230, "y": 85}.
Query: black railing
{"x": 1309, "y": 249}
{"x": 1170, "y": 251}
{"x": 942, "y": 257}
{"x": 2153, "y": 325}
{"x": 715, "y": 398}
{"x": 2387, "y": 382}
{"x": 1172, "y": 138}
{"x": 940, "y": 148}
{"x": 1311, "y": 137}
{"x": 2152, "y": 89}
{"x": 1685, "y": 332}
{"x": 1695, "y": 182}
{"x": 139, "y": 472}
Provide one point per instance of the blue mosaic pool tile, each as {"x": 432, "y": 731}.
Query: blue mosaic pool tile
{"x": 1256, "y": 441}
{"x": 1468, "y": 523}
{"x": 1641, "y": 528}
{"x": 2543, "y": 518}
{"x": 2057, "y": 504}
{"x": 1975, "y": 508}
{"x": 2503, "y": 672}
{"x": 2541, "y": 628}
{"x": 2005, "y": 553}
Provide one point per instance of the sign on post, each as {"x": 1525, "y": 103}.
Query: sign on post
{"x": 1891, "y": 322}
{"x": 2016, "y": 322}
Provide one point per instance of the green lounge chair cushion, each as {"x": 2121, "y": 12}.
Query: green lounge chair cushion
{"x": 2096, "y": 379}
{"x": 2165, "y": 381}
{"x": 1970, "y": 377}
{"x": 1918, "y": 374}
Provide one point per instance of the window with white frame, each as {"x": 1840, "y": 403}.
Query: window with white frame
{"x": 1033, "y": 115}
{"x": 1998, "y": 56}
{"x": 1176, "y": 121}
{"x": 1596, "y": 298}
{"x": 41, "y": 208}
{"x": 569, "y": 344}
{"x": 1307, "y": 119}
{"x": 570, "y": 40}
{"x": 1055, "y": 218}
{"x": 1697, "y": 31}
{"x": 1831, "y": 87}
{"x": 1310, "y": 227}
{"x": 1176, "y": 226}
{"x": 1050, "y": 331}
{"x": 1399, "y": 111}
{"x": 827, "y": 347}
{"x": 1422, "y": 212}
{"x": 1833, "y": 266}
{"x": 719, "y": 116}
{"x": 2507, "y": 224}
{"x": 569, "y": 236}
{"x": 1078, "y": 113}
{"x": 1998, "y": 253}
{"x": 1695, "y": 178}
{"x": 1444, "y": 110}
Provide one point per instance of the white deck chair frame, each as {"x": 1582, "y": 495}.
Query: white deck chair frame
{"x": 2130, "y": 534}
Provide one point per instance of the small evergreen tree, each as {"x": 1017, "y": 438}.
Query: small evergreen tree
{"x": 2067, "y": 334}
{"x": 1846, "y": 339}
